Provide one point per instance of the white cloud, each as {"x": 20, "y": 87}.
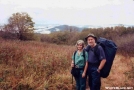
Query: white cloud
{"x": 60, "y": 3}
{"x": 71, "y": 11}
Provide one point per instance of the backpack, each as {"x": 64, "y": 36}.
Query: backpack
{"x": 110, "y": 49}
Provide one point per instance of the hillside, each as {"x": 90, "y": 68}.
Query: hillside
{"x": 33, "y": 65}
{"x": 48, "y": 28}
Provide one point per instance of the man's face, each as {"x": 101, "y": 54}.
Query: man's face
{"x": 91, "y": 41}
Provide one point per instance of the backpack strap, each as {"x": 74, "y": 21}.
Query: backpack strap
{"x": 95, "y": 51}
{"x": 82, "y": 55}
{"x": 74, "y": 57}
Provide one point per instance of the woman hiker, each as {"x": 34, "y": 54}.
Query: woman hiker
{"x": 79, "y": 61}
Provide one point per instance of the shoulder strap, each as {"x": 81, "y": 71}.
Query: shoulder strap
{"x": 87, "y": 48}
{"x": 74, "y": 56}
{"x": 84, "y": 55}
{"x": 95, "y": 51}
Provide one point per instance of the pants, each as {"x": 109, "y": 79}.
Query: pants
{"x": 80, "y": 82}
{"x": 94, "y": 80}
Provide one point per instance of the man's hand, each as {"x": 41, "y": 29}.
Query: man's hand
{"x": 101, "y": 65}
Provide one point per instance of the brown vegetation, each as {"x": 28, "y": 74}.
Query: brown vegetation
{"x": 122, "y": 36}
{"x": 33, "y": 65}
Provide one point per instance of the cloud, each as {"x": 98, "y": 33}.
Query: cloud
{"x": 71, "y": 11}
{"x": 60, "y": 3}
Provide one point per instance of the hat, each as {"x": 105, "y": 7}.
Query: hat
{"x": 91, "y": 35}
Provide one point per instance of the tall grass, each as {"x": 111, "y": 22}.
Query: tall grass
{"x": 34, "y": 65}
{"x": 122, "y": 73}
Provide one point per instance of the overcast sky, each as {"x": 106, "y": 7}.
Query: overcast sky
{"x": 71, "y": 12}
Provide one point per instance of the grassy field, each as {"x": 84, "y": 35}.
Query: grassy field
{"x": 32, "y": 65}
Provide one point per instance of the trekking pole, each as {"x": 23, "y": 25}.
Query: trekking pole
{"x": 72, "y": 82}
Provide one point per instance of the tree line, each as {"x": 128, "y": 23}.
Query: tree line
{"x": 21, "y": 27}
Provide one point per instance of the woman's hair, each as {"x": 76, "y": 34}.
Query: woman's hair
{"x": 80, "y": 42}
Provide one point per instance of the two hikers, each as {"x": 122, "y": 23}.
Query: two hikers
{"x": 93, "y": 64}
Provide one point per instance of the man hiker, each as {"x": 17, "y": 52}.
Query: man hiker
{"x": 95, "y": 62}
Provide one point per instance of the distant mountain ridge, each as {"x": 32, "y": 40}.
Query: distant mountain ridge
{"x": 65, "y": 27}
{"x": 40, "y": 28}
{"x": 48, "y": 28}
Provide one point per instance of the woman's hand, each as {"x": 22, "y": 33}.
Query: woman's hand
{"x": 83, "y": 75}
{"x": 98, "y": 70}
{"x": 72, "y": 64}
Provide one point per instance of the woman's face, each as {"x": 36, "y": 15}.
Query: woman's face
{"x": 79, "y": 46}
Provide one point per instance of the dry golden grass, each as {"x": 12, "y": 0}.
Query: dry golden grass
{"x": 42, "y": 66}
{"x": 33, "y": 65}
{"x": 122, "y": 73}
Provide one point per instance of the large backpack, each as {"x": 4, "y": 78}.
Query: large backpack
{"x": 110, "y": 49}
